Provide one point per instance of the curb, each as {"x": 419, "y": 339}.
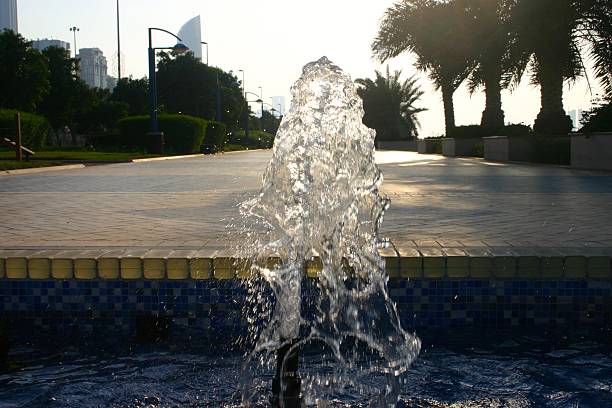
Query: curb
{"x": 164, "y": 158}
{"x": 42, "y": 169}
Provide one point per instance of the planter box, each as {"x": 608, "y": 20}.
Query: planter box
{"x": 459, "y": 147}
{"x": 408, "y": 146}
{"x": 503, "y": 148}
{"x": 428, "y": 146}
{"x": 591, "y": 151}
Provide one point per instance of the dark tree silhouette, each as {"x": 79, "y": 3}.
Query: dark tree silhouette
{"x": 439, "y": 34}
{"x": 550, "y": 35}
{"x": 24, "y": 73}
{"x": 389, "y": 105}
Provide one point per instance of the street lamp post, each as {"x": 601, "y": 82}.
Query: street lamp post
{"x": 118, "y": 45}
{"x": 246, "y": 129}
{"x": 179, "y": 48}
{"x": 206, "y": 44}
{"x": 74, "y": 31}
{"x": 246, "y": 110}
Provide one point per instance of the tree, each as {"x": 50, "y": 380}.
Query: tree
{"x": 188, "y": 86}
{"x": 496, "y": 68}
{"x": 134, "y": 93}
{"x": 67, "y": 90}
{"x": 389, "y": 106}
{"x": 438, "y": 33}
{"x": 269, "y": 122}
{"x": 552, "y": 34}
{"x": 24, "y": 74}
{"x": 99, "y": 113}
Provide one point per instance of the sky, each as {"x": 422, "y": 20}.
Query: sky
{"x": 270, "y": 40}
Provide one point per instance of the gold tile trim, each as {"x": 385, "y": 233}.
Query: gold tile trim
{"x": 62, "y": 269}
{"x": 39, "y": 268}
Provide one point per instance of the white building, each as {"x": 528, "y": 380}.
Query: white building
{"x": 43, "y": 44}
{"x": 93, "y": 68}
{"x": 8, "y": 15}
{"x": 279, "y": 104}
{"x": 191, "y": 36}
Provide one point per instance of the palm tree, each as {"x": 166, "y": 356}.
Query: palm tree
{"x": 438, "y": 34}
{"x": 496, "y": 67}
{"x": 389, "y": 105}
{"x": 551, "y": 34}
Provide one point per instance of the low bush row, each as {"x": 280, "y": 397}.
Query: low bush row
{"x": 34, "y": 128}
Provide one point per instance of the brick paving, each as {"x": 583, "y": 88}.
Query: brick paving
{"x": 437, "y": 202}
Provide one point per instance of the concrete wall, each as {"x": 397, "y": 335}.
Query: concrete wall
{"x": 503, "y": 148}
{"x": 459, "y": 147}
{"x": 427, "y": 146}
{"x": 496, "y": 148}
{"x": 591, "y": 151}
{"x": 410, "y": 146}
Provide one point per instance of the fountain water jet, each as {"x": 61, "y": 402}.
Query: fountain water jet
{"x": 320, "y": 202}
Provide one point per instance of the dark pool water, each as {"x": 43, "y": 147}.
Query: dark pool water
{"x": 453, "y": 370}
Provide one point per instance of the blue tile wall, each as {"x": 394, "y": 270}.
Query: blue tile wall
{"x": 215, "y": 306}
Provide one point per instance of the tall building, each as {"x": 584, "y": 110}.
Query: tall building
{"x": 93, "y": 68}
{"x": 8, "y": 15}
{"x": 43, "y": 44}
{"x": 191, "y": 35}
{"x": 279, "y": 104}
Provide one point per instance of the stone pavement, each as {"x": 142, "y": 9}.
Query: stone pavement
{"x": 438, "y": 203}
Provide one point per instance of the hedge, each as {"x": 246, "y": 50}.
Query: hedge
{"x": 477, "y": 131}
{"x": 216, "y": 137}
{"x": 34, "y": 128}
{"x": 257, "y": 139}
{"x": 183, "y": 134}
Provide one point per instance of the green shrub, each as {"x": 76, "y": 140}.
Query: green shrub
{"x": 34, "y": 128}
{"x": 469, "y": 132}
{"x": 256, "y": 140}
{"x": 477, "y": 131}
{"x": 216, "y": 136}
{"x": 516, "y": 129}
{"x": 598, "y": 119}
{"x": 183, "y": 134}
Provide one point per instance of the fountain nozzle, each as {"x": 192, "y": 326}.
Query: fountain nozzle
{"x": 286, "y": 385}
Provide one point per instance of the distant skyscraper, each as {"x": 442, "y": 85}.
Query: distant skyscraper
{"x": 191, "y": 35}
{"x": 279, "y": 104}
{"x": 8, "y": 15}
{"x": 43, "y": 44}
{"x": 574, "y": 116}
{"x": 93, "y": 68}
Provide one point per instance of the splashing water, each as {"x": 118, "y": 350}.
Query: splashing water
{"x": 320, "y": 205}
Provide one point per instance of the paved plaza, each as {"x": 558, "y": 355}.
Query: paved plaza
{"x": 189, "y": 203}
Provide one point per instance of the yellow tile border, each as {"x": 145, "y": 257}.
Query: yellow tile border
{"x": 39, "y": 268}
{"x": 598, "y": 267}
{"x": 154, "y": 268}
{"x": 453, "y": 264}
{"x": 109, "y": 268}
{"x": 17, "y": 268}
{"x": 62, "y": 268}
{"x": 177, "y": 268}
{"x": 131, "y": 268}
{"x": 85, "y": 269}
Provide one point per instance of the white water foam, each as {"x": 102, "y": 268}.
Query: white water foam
{"x": 320, "y": 199}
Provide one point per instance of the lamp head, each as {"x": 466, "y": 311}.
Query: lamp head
{"x": 180, "y": 48}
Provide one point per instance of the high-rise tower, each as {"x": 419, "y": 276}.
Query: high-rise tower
{"x": 8, "y": 15}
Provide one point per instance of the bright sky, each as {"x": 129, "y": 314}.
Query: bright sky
{"x": 270, "y": 39}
